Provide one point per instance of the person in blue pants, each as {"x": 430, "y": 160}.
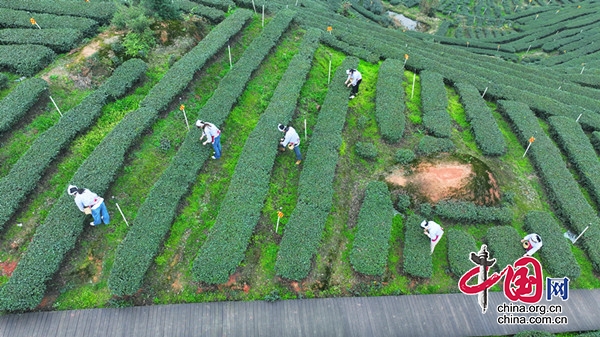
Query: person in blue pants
{"x": 90, "y": 203}
{"x": 290, "y": 139}
{"x": 212, "y": 134}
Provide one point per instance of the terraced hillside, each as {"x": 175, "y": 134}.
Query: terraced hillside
{"x": 254, "y": 225}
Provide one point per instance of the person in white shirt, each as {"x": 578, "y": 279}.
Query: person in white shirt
{"x": 532, "y": 243}
{"x": 434, "y": 231}
{"x": 291, "y": 140}
{"x": 212, "y": 134}
{"x": 354, "y": 79}
{"x": 90, "y": 203}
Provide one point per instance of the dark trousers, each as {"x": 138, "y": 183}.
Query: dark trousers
{"x": 355, "y": 88}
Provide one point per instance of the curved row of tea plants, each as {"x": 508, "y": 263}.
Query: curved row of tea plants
{"x": 435, "y": 102}
{"x": 99, "y": 11}
{"x": 221, "y": 254}
{"x": 136, "y": 251}
{"x": 469, "y": 212}
{"x": 26, "y": 173}
{"x": 488, "y": 136}
{"x": 563, "y": 191}
{"x": 373, "y": 230}
{"x": 213, "y": 14}
{"x": 389, "y": 102}
{"x": 25, "y": 60}
{"x": 18, "y": 102}
{"x": 556, "y": 254}
{"x": 576, "y": 145}
{"x": 315, "y": 188}
{"x": 58, "y": 39}
{"x": 21, "y": 19}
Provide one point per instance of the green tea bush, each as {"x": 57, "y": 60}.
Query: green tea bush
{"x": 417, "y": 249}
{"x": 389, "y": 101}
{"x": 504, "y": 244}
{"x": 576, "y": 145}
{"x": 460, "y": 246}
{"x": 488, "y": 136}
{"x": 315, "y": 189}
{"x": 135, "y": 254}
{"x": 403, "y": 202}
{"x": 25, "y": 60}
{"x": 359, "y": 52}
{"x": 534, "y": 333}
{"x": 133, "y": 18}
{"x": 18, "y": 102}
{"x": 98, "y": 11}
{"x": 563, "y": 192}
{"x": 595, "y": 139}
{"x": 435, "y": 102}
{"x": 556, "y": 255}
{"x": 373, "y": 230}
{"x": 213, "y": 14}
{"x": 429, "y": 145}
{"x": 224, "y": 5}
{"x": 366, "y": 150}
{"x": 3, "y": 81}
{"x": 58, "y": 39}
{"x": 20, "y": 19}
{"x": 405, "y": 156}
{"x": 58, "y": 234}
{"x": 469, "y": 212}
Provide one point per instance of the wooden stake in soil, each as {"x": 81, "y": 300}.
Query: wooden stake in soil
{"x": 123, "y": 215}
{"x": 531, "y": 140}
{"x": 182, "y": 108}
{"x": 229, "y": 50}
{"x": 279, "y": 216}
{"x": 413, "y": 86}
{"x": 56, "y": 106}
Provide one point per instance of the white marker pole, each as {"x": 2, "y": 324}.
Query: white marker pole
{"x": 305, "y": 132}
{"x": 263, "y": 15}
{"x": 123, "y": 215}
{"x": 527, "y": 149}
{"x": 229, "y": 50}
{"x": 253, "y": 6}
{"x": 581, "y": 234}
{"x": 581, "y": 71}
{"x": 56, "y": 106}
{"x": 186, "y": 120}
{"x": 413, "y": 86}
{"x": 484, "y": 92}
{"x": 277, "y": 227}
{"x": 329, "y": 74}
{"x": 577, "y": 120}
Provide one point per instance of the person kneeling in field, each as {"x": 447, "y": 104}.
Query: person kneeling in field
{"x": 532, "y": 243}
{"x": 212, "y": 134}
{"x": 434, "y": 231}
{"x": 90, "y": 203}
{"x": 291, "y": 140}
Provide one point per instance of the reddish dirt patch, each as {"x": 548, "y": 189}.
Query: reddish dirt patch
{"x": 296, "y": 287}
{"x": 177, "y": 286}
{"x": 246, "y": 288}
{"x": 8, "y": 267}
{"x": 435, "y": 182}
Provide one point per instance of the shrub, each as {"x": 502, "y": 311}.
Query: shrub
{"x": 404, "y": 156}
{"x": 435, "y": 102}
{"x": 315, "y": 189}
{"x": 488, "y": 136}
{"x": 417, "y": 248}
{"x": 333, "y": 42}
{"x": 163, "y": 8}
{"x": 403, "y": 202}
{"x": 58, "y": 39}
{"x": 429, "y": 145}
{"x": 3, "y": 82}
{"x": 371, "y": 242}
{"x": 504, "y": 244}
{"x": 460, "y": 246}
{"x": 224, "y": 5}
{"x": 534, "y": 333}
{"x": 389, "y": 108}
{"x": 595, "y": 139}
{"x": 210, "y": 13}
{"x": 469, "y": 212}
{"x": 132, "y": 18}
{"x": 366, "y": 150}
{"x": 16, "y": 104}
{"x": 135, "y": 254}
{"x": 25, "y": 60}
{"x": 555, "y": 253}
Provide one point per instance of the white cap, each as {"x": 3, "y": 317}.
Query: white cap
{"x": 424, "y": 224}
{"x": 199, "y": 123}
{"x": 72, "y": 190}
{"x": 347, "y": 71}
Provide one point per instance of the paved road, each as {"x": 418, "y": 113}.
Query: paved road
{"x": 409, "y": 315}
